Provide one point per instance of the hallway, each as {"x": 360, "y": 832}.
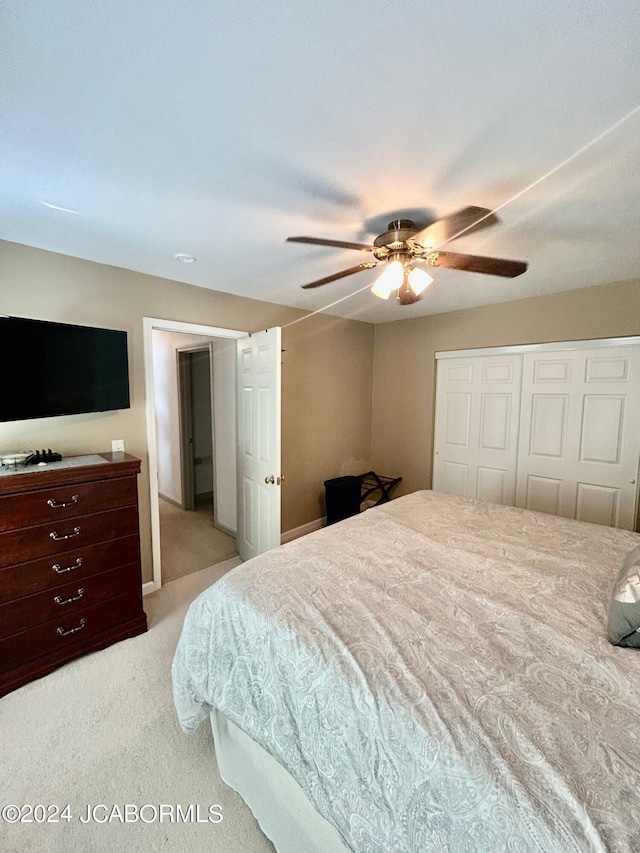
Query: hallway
{"x": 189, "y": 541}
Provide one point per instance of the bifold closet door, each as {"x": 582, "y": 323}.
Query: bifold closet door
{"x": 579, "y": 441}
{"x": 476, "y": 427}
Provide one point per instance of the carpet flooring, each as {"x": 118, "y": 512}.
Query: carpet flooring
{"x": 102, "y": 731}
{"x": 189, "y": 541}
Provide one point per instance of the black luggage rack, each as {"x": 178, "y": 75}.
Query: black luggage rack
{"x": 372, "y": 482}
{"x": 344, "y": 495}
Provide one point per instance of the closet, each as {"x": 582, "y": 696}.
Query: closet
{"x": 549, "y": 427}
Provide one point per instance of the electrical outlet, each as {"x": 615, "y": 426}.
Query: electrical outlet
{"x": 117, "y": 445}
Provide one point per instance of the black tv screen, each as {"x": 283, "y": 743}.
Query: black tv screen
{"x": 54, "y": 369}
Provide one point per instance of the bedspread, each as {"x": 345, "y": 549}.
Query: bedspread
{"x": 435, "y": 675}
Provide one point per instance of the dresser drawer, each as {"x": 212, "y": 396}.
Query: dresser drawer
{"x": 57, "y": 503}
{"x": 68, "y": 630}
{"x": 73, "y": 567}
{"x": 19, "y": 546}
{"x": 70, "y": 574}
{"x": 68, "y": 599}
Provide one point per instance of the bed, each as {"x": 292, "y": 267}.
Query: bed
{"x": 430, "y": 675}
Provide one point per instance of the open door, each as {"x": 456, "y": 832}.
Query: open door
{"x": 258, "y": 442}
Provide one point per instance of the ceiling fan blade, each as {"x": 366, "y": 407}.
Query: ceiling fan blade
{"x": 467, "y": 220}
{"x": 365, "y": 266}
{"x": 338, "y": 244}
{"x": 476, "y": 263}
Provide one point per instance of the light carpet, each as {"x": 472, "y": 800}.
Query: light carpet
{"x": 102, "y": 731}
{"x": 189, "y": 541}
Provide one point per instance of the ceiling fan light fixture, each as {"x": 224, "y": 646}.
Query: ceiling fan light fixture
{"x": 404, "y": 245}
{"x": 419, "y": 280}
{"x": 390, "y": 280}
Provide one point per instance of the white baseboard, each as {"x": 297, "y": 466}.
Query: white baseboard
{"x": 148, "y": 587}
{"x": 296, "y": 532}
{"x": 224, "y": 529}
{"x": 170, "y": 500}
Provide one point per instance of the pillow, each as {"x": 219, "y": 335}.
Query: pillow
{"x": 623, "y": 628}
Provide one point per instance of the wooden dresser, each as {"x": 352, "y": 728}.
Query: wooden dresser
{"x": 70, "y": 576}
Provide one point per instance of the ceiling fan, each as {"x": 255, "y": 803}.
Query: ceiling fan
{"x": 403, "y": 247}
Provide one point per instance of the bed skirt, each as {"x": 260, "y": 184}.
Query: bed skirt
{"x": 278, "y": 803}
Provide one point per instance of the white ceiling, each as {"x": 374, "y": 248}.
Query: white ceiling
{"x": 219, "y": 129}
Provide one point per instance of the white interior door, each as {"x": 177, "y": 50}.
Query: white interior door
{"x": 258, "y": 442}
{"x": 580, "y": 436}
{"x": 476, "y": 427}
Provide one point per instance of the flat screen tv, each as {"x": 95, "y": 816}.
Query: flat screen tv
{"x": 51, "y": 369}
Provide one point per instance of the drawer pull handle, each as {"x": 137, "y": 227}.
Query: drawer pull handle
{"x": 59, "y": 537}
{"x": 79, "y": 627}
{"x": 60, "y": 600}
{"x": 74, "y": 500}
{"x": 60, "y": 570}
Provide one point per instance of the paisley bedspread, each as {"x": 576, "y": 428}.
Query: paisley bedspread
{"x": 435, "y": 675}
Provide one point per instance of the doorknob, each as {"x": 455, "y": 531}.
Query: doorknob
{"x": 280, "y": 479}
{"x": 270, "y": 479}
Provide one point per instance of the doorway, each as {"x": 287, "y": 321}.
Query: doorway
{"x": 195, "y": 398}
{"x": 190, "y": 384}
{"x": 190, "y": 438}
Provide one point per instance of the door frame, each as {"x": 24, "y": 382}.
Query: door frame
{"x": 148, "y": 325}
{"x": 186, "y": 422}
{"x": 552, "y": 346}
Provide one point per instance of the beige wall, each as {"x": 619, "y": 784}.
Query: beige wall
{"x": 326, "y": 380}
{"x": 404, "y": 363}
{"x": 330, "y": 424}
{"x": 325, "y": 369}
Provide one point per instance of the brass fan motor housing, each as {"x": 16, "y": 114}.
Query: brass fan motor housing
{"x": 397, "y": 240}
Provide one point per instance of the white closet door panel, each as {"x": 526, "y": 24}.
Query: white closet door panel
{"x": 548, "y": 425}
{"x": 597, "y": 504}
{"x": 476, "y": 428}
{"x": 602, "y": 428}
{"x": 457, "y": 419}
{"x": 491, "y": 484}
{"x": 453, "y": 478}
{"x": 495, "y": 419}
{"x": 542, "y": 494}
{"x": 580, "y": 434}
